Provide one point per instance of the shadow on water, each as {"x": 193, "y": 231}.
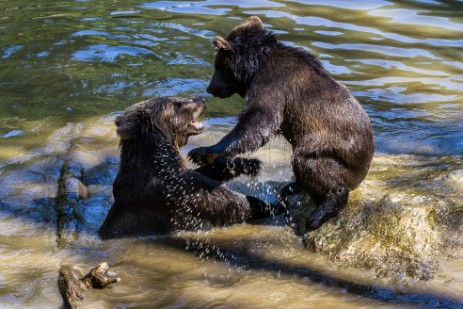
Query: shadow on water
{"x": 448, "y": 6}
{"x": 102, "y": 174}
{"x": 29, "y": 192}
{"x": 41, "y": 213}
{"x": 256, "y": 263}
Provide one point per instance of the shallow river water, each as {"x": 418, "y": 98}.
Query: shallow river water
{"x": 67, "y": 68}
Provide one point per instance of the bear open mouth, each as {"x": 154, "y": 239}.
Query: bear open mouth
{"x": 195, "y": 126}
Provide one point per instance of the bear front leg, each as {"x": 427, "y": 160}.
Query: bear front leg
{"x": 204, "y": 155}
{"x": 255, "y": 126}
{"x": 225, "y": 169}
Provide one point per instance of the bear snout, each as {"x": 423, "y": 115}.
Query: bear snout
{"x": 209, "y": 89}
{"x": 218, "y": 92}
{"x": 196, "y": 100}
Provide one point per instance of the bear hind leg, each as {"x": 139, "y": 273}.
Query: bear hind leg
{"x": 329, "y": 208}
{"x": 121, "y": 222}
{"x": 326, "y": 180}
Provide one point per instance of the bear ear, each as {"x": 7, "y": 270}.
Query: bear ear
{"x": 220, "y": 43}
{"x": 254, "y": 22}
{"x": 127, "y": 127}
{"x": 132, "y": 123}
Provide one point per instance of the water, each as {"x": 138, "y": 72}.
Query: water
{"x": 67, "y": 68}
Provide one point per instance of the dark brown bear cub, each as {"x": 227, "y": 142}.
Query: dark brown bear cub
{"x": 154, "y": 191}
{"x": 288, "y": 91}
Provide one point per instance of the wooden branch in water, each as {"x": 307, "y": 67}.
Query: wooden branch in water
{"x": 72, "y": 284}
{"x": 70, "y": 191}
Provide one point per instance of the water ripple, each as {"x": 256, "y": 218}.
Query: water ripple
{"x": 106, "y": 53}
{"x": 412, "y": 17}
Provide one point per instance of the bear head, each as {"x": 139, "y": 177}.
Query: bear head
{"x": 171, "y": 117}
{"x": 238, "y": 58}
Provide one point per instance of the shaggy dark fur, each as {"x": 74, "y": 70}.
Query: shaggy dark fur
{"x": 288, "y": 91}
{"x": 154, "y": 191}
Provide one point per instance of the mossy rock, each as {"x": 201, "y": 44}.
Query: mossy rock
{"x": 396, "y": 231}
{"x": 392, "y": 236}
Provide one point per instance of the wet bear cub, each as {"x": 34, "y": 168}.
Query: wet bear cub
{"x": 154, "y": 190}
{"x": 289, "y": 92}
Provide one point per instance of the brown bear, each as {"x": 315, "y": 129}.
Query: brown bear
{"x": 154, "y": 190}
{"x": 289, "y": 92}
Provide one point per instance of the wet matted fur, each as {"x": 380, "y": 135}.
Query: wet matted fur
{"x": 154, "y": 190}
{"x": 289, "y": 92}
